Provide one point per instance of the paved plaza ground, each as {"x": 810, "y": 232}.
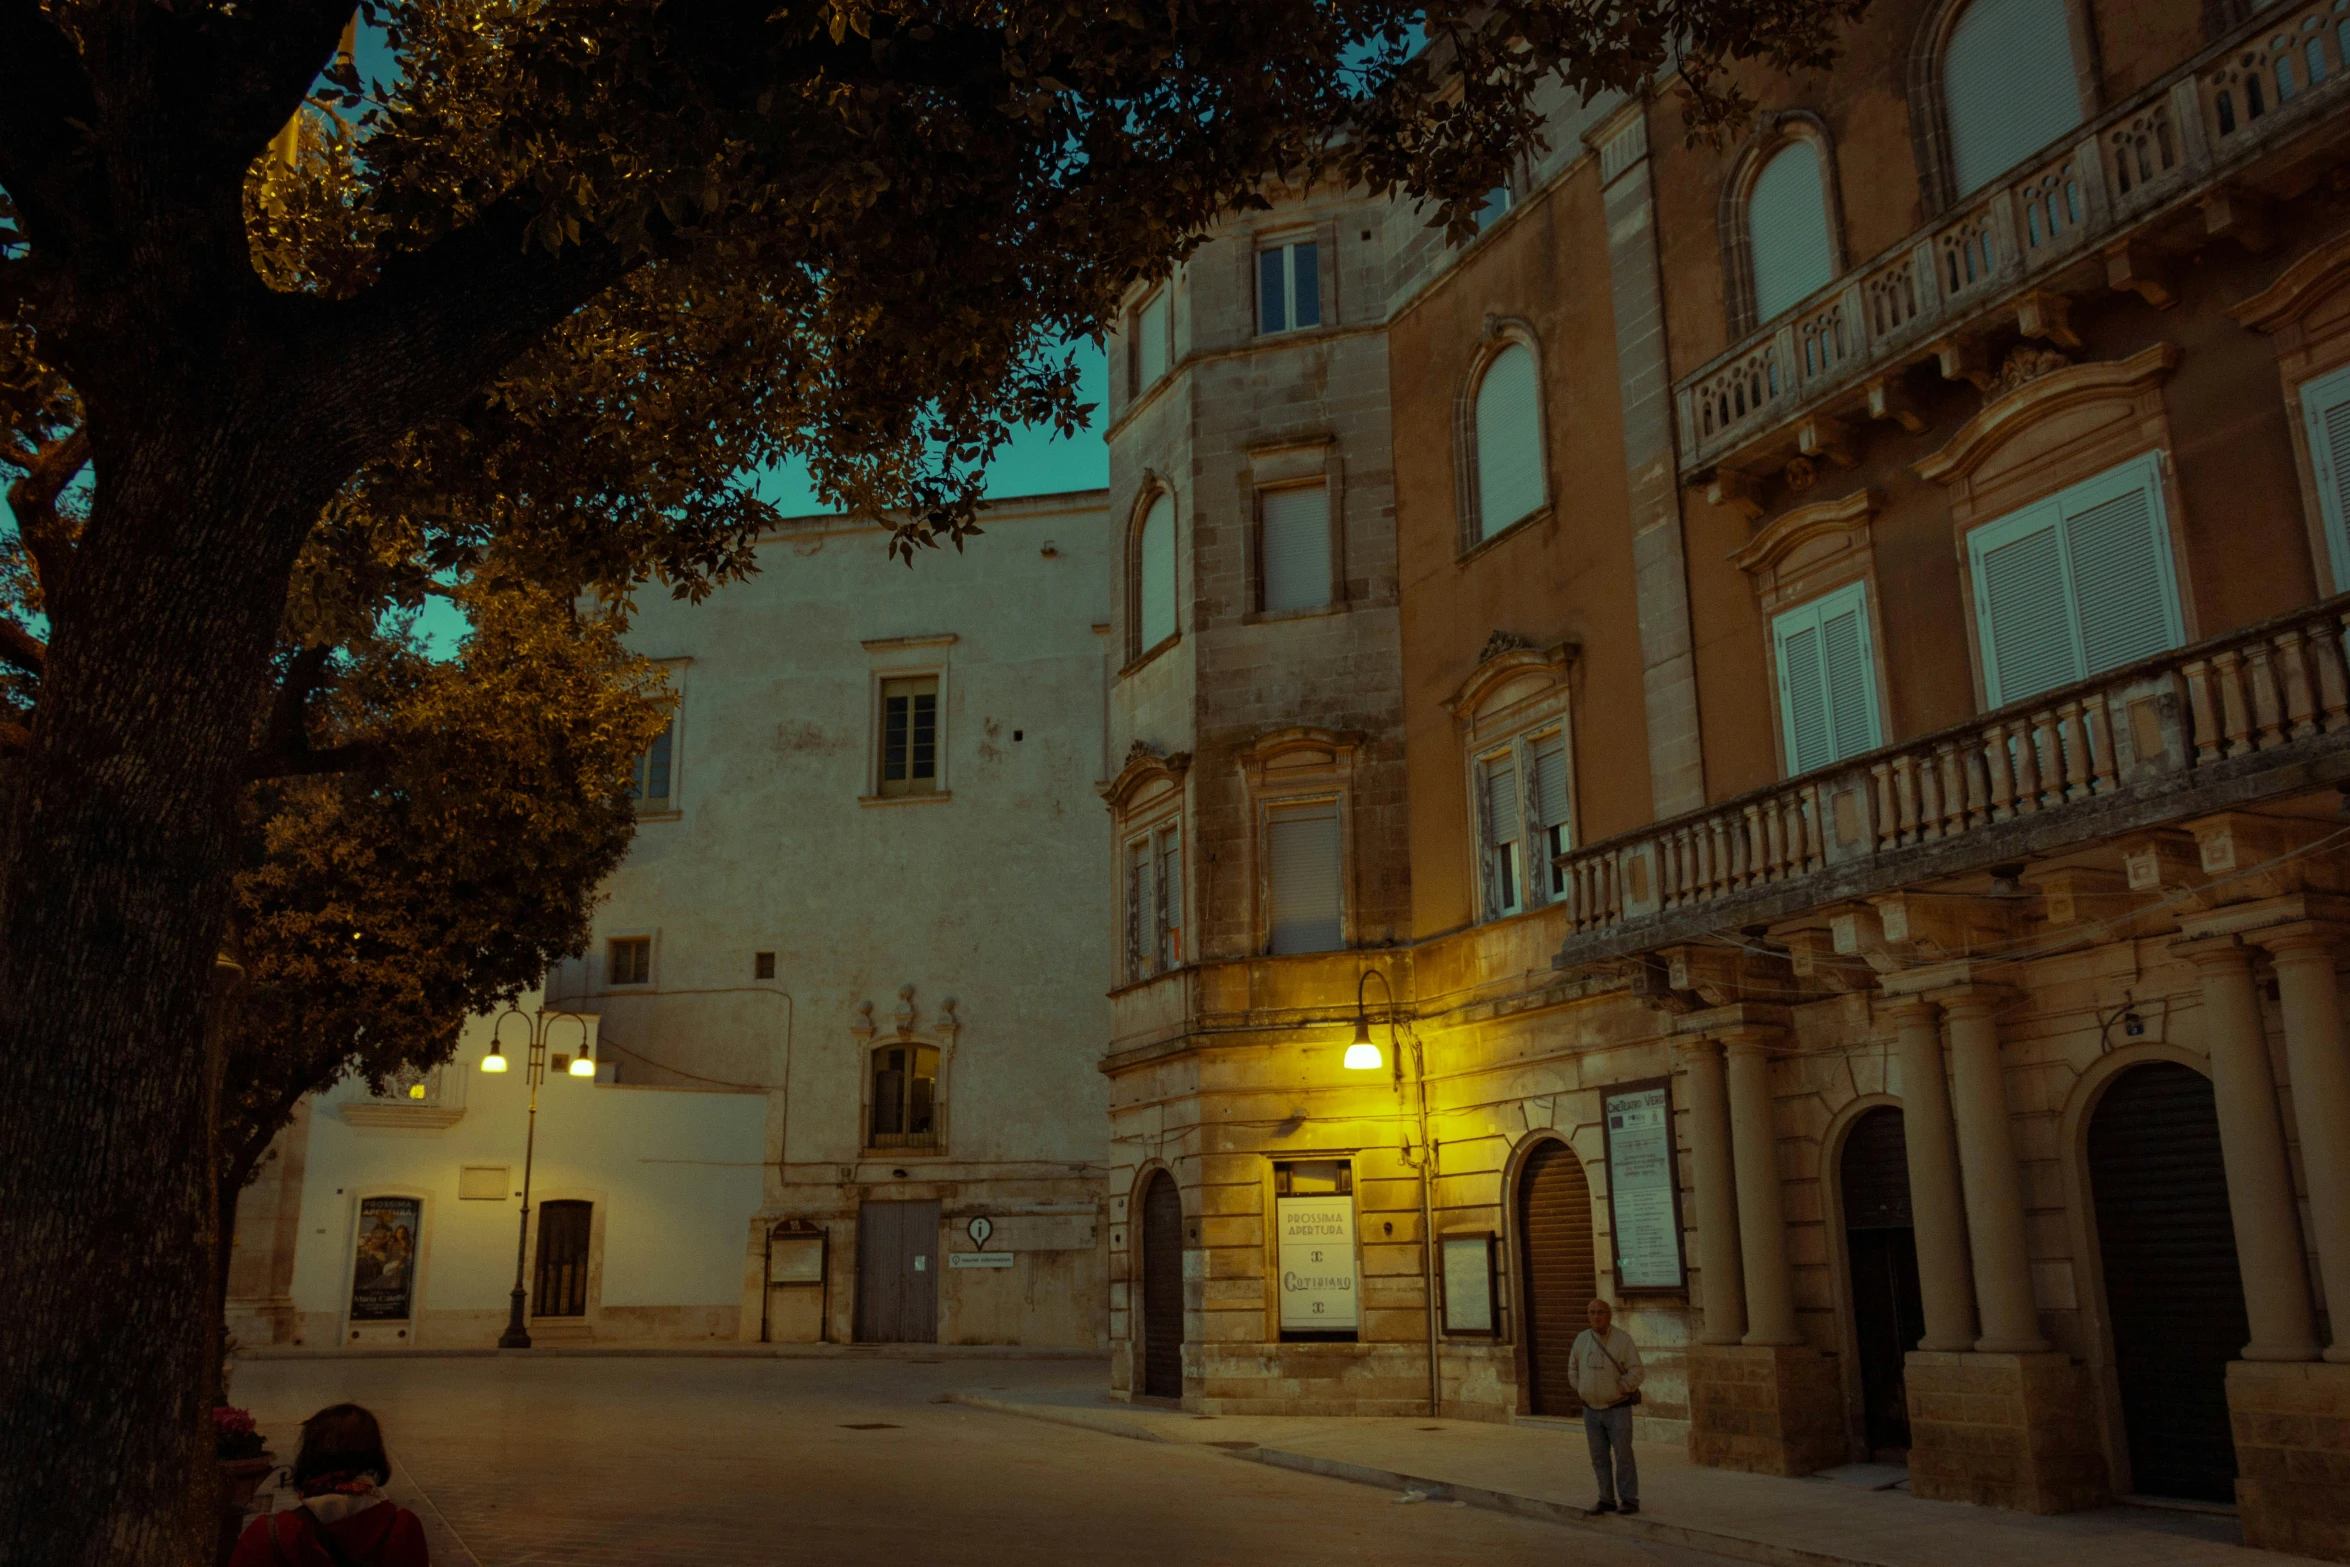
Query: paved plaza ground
{"x": 644, "y": 1461}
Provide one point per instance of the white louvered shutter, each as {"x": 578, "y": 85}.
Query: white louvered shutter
{"x": 2021, "y": 607}
{"x": 1546, "y": 812}
{"x": 1296, "y": 544}
{"x": 1155, "y": 574}
{"x": 1827, "y": 679}
{"x": 1509, "y": 441}
{"x": 2007, "y": 85}
{"x": 1787, "y": 230}
{"x": 2118, "y": 553}
{"x": 1303, "y": 872}
{"x": 1150, "y": 342}
{"x": 2325, "y": 407}
{"x": 1504, "y": 821}
{"x": 1137, "y": 908}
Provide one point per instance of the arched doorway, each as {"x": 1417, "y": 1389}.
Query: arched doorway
{"x": 1559, "y": 1270}
{"x": 2173, "y": 1295}
{"x": 1162, "y": 1288}
{"x": 1880, "y": 1243}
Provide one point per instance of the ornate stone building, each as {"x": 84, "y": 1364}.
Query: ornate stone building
{"x": 1827, "y": 722}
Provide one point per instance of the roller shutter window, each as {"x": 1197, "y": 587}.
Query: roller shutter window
{"x": 1509, "y": 441}
{"x": 1294, "y": 535}
{"x": 2325, "y": 406}
{"x": 2008, "y": 86}
{"x": 1155, "y": 574}
{"x": 1289, "y": 287}
{"x": 1304, "y": 871}
{"x": 2078, "y": 584}
{"x": 1827, "y": 679}
{"x": 1500, "y": 820}
{"x": 1150, "y": 342}
{"x": 1787, "y": 230}
{"x": 1547, "y": 756}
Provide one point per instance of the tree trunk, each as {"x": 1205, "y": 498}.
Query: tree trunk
{"x": 114, "y": 872}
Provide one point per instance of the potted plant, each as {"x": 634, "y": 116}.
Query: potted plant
{"x": 243, "y": 1453}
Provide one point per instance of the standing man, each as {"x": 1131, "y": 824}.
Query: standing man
{"x": 1605, "y": 1366}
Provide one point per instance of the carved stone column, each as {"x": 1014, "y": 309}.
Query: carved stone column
{"x": 1762, "y": 1216}
{"x": 2252, "y": 1147}
{"x": 1994, "y": 1192}
{"x": 1717, "y": 1194}
{"x": 1937, "y": 1207}
{"x": 2306, "y": 985}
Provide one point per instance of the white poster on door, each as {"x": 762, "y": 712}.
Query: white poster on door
{"x": 1317, "y": 1263}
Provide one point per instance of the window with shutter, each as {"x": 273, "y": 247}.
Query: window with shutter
{"x": 1827, "y": 679}
{"x": 1138, "y": 909}
{"x": 1150, "y": 342}
{"x": 1503, "y": 819}
{"x": 1289, "y": 287}
{"x": 1304, "y": 870}
{"x": 909, "y": 735}
{"x": 2325, "y": 408}
{"x": 1294, "y": 543}
{"x": 1547, "y": 757}
{"x": 1167, "y": 879}
{"x": 650, "y": 785}
{"x": 2076, "y": 584}
{"x": 1508, "y": 441}
{"x": 2008, "y": 86}
{"x": 1155, "y": 575}
{"x": 1787, "y": 230}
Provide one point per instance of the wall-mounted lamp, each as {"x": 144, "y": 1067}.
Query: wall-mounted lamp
{"x": 1362, "y": 1055}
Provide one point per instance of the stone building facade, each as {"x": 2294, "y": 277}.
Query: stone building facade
{"x": 1868, "y": 672}
{"x": 847, "y": 989}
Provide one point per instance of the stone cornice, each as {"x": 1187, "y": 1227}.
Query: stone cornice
{"x": 2325, "y": 268}
{"x": 2098, "y": 381}
{"x": 1805, "y": 523}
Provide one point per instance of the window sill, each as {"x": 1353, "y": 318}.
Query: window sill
{"x": 905, "y": 1155}
{"x": 1150, "y": 654}
{"x": 668, "y": 814}
{"x": 1538, "y": 514}
{"x": 1311, "y": 612}
{"x": 931, "y": 797}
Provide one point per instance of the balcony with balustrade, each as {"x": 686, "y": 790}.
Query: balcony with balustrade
{"x": 2254, "y": 717}
{"x": 2200, "y": 152}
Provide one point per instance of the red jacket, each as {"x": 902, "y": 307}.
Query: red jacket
{"x": 385, "y": 1535}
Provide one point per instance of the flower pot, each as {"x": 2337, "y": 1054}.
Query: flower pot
{"x": 241, "y": 1477}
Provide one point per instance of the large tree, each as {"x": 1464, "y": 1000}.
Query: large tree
{"x": 845, "y": 228}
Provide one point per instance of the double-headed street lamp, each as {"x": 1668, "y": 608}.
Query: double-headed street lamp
{"x": 538, "y": 1025}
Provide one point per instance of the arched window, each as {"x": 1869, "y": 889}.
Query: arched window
{"x": 1508, "y": 435}
{"x": 905, "y": 1097}
{"x": 1787, "y": 229}
{"x": 1154, "y": 576}
{"x": 2008, "y": 86}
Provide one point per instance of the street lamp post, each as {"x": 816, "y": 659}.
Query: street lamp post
{"x": 538, "y": 1025}
{"x": 1363, "y": 1056}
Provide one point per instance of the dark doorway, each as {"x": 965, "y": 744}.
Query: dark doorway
{"x": 562, "y": 1271}
{"x": 897, "y": 1278}
{"x": 1561, "y": 1272}
{"x": 2172, "y": 1290}
{"x": 1888, "y": 1311}
{"x": 1162, "y": 1288}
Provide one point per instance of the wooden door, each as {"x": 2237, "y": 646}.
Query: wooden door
{"x": 562, "y": 1268}
{"x": 897, "y": 1273}
{"x": 1162, "y": 1288}
{"x": 1560, "y": 1272}
{"x": 2173, "y": 1293}
{"x": 1888, "y": 1307}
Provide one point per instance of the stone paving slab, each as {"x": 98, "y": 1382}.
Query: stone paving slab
{"x": 1545, "y": 1472}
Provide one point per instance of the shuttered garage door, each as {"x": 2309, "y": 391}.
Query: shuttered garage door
{"x": 1560, "y": 1270}
{"x": 2172, "y": 1291}
{"x": 1162, "y": 1289}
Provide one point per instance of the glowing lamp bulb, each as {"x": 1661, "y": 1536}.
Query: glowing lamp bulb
{"x": 582, "y": 1066}
{"x": 1362, "y": 1057}
{"x": 493, "y": 1062}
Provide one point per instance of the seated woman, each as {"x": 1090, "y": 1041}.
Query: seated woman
{"x": 344, "y": 1520}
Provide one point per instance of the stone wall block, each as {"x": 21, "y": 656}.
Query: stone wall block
{"x": 1765, "y": 1409}
{"x": 2004, "y": 1431}
{"x": 2292, "y": 1429}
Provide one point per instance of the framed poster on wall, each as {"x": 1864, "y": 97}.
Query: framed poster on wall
{"x": 383, "y": 1269}
{"x": 1314, "y": 1217}
{"x": 1467, "y": 1272}
{"x": 1643, "y": 1193}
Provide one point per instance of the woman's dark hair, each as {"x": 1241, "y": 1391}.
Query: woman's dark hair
{"x": 339, "y": 1443}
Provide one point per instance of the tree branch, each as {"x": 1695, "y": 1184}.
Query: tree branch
{"x": 21, "y": 648}
{"x": 15, "y": 739}
{"x": 306, "y": 762}
{"x": 33, "y": 498}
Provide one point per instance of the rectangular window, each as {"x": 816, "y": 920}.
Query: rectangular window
{"x": 1138, "y": 908}
{"x": 1289, "y": 287}
{"x": 1497, "y": 203}
{"x": 1547, "y": 758}
{"x": 1149, "y": 353}
{"x": 1502, "y": 820}
{"x": 2077, "y": 584}
{"x": 628, "y": 960}
{"x": 1827, "y": 679}
{"x": 2325, "y": 407}
{"x": 650, "y": 785}
{"x": 1167, "y": 876}
{"x": 1154, "y": 902}
{"x": 1304, "y": 877}
{"x": 909, "y": 735}
{"x": 1294, "y": 547}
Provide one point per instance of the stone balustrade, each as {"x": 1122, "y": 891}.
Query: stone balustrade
{"x": 2144, "y": 743}
{"x": 2146, "y": 157}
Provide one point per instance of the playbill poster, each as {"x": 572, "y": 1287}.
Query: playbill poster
{"x": 1640, "y": 1191}
{"x": 383, "y": 1279}
{"x": 1317, "y": 1263}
